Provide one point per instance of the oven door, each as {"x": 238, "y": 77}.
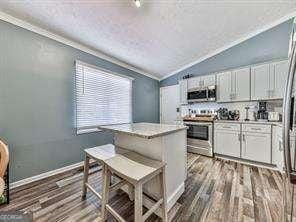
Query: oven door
{"x": 197, "y": 131}
{"x": 196, "y": 95}
{"x": 199, "y": 138}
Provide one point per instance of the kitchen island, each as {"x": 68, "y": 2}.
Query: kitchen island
{"x": 162, "y": 142}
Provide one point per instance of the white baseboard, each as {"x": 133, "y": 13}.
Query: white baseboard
{"x": 45, "y": 175}
{"x": 247, "y": 162}
{"x": 175, "y": 196}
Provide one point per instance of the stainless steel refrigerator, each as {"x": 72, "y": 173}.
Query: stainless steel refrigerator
{"x": 289, "y": 120}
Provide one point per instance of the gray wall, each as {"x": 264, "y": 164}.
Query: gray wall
{"x": 37, "y": 101}
{"x": 269, "y": 45}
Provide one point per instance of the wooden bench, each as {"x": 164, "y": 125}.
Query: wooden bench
{"x": 136, "y": 170}
{"x": 100, "y": 154}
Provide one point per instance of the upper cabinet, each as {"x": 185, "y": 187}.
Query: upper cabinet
{"x": 279, "y": 73}
{"x": 268, "y": 80}
{"x": 193, "y": 82}
{"x": 241, "y": 84}
{"x": 183, "y": 85}
{"x": 208, "y": 80}
{"x": 224, "y": 86}
{"x": 233, "y": 85}
{"x": 260, "y": 82}
{"x": 200, "y": 81}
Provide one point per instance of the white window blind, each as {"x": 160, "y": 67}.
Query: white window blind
{"x": 102, "y": 97}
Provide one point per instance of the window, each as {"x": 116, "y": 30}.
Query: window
{"x": 102, "y": 98}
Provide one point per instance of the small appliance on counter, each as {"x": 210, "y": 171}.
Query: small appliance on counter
{"x": 262, "y": 114}
{"x": 274, "y": 116}
{"x": 233, "y": 115}
{"x": 223, "y": 113}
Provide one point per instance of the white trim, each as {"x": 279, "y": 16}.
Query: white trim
{"x": 175, "y": 196}
{"x": 246, "y": 162}
{"x": 45, "y": 175}
{"x": 238, "y": 41}
{"x": 26, "y": 25}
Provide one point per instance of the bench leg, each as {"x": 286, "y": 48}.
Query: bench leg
{"x": 85, "y": 176}
{"x": 106, "y": 188}
{"x": 163, "y": 193}
{"x": 138, "y": 203}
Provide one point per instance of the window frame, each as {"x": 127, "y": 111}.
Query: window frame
{"x": 93, "y": 129}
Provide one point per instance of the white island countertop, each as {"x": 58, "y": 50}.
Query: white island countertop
{"x": 144, "y": 130}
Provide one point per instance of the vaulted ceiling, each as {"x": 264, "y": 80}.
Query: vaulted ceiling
{"x": 159, "y": 38}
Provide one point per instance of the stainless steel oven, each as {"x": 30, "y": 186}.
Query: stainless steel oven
{"x": 200, "y": 137}
{"x": 201, "y": 94}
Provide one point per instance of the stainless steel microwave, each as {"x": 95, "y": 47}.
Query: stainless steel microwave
{"x": 201, "y": 94}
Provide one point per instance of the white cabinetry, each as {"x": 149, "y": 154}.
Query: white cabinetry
{"x": 200, "y": 81}
{"x": 234, "y": 85}
{"x": 208, "y": 80}
{"x": 193, "y": 82}
{"x": 183, "y": 91}
{"x": 260, "y": 82}
{"x": 256, "y": 142}
{"x": 247, "y": 141}
{"x": 224, "y": 89}
{"x": 227, "y": 139}
{"x": 279, "y": 75}
{"x": 268, "y": 80}
{"x": 277, "y": 148}
{"x": 241, "y": 86}
{"x": 256, "y": 147}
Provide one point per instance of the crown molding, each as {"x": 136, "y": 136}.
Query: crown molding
{"x": 238, "y": 41}
{"x": 28, "y": 26}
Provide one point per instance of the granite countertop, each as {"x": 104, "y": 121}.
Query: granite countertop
{"x": 144, "y": 130}
{"x": 276, "y": 123}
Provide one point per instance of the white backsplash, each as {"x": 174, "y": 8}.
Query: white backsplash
{"x": 275, "y": 106}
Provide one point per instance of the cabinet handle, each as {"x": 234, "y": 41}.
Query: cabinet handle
{"x": 256, "y": 128}
{"x": 239, "y": 137}
{"x": 244, "y": 138}
{"x": 226, "y": 127}
{"x": 280, "y": 146}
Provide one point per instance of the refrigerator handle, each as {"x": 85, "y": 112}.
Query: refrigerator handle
{"x": 287, "y": 114}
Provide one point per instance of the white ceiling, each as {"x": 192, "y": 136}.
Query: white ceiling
{"x": 160, "y": 37}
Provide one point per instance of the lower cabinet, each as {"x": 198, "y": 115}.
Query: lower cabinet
{"x": 250, "y": 141}
{"x": 227, "y": 142}
{"x": 256, "y": 147}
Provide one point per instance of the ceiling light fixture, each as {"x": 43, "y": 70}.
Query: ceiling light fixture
{"x": 138, "y": 3}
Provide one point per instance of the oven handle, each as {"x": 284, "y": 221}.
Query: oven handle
{"x": 198, "y": 123}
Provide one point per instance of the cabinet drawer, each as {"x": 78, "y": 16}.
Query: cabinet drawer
{"x": 260, "y": 128}
{"x": 227, "y": 126}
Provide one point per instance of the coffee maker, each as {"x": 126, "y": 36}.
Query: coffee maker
{"x": 262, "y": 114}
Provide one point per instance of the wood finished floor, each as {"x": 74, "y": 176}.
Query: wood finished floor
{"x": 216, "y": 190}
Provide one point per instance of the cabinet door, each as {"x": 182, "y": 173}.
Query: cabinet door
{"x": 183, "y": 91}
{"x": 241, "y": 84}
{"x": 278, "y": 78}
{"x": 256, "y": 147}
{"x": 260, "y": 82}
{"x": 227, "y": 143}
{"x": 224, "y": 87}
{"x": 194, "y": 82}
{"x": 208, "y": 80}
